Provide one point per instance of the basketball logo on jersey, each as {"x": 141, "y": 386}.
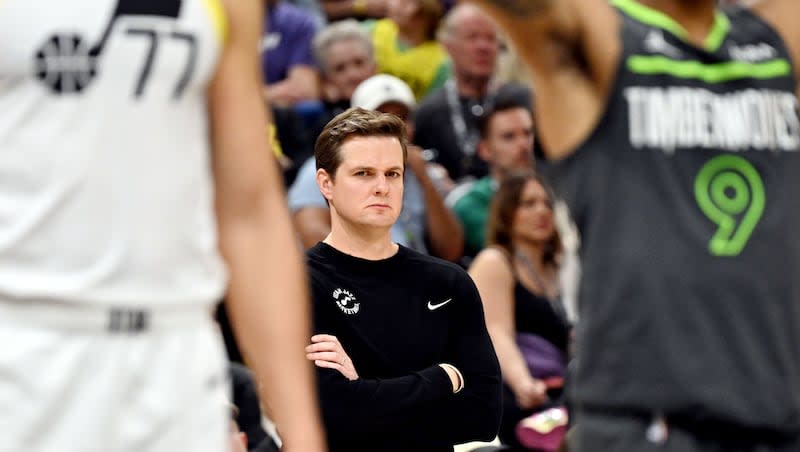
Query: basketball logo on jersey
{"x": 67, "y": 64}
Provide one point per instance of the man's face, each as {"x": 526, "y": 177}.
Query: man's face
{"x": 509, "y": 141}
{"x": 473, "y": 45}
{"x": 348, "y": 64}
{"x": 367, "y": 190}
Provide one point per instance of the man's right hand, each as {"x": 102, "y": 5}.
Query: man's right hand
{"x": 325, "y": 350}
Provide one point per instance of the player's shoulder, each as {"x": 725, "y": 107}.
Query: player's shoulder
{"x": 774, "y": 7}
{"x": 781, "y": 15}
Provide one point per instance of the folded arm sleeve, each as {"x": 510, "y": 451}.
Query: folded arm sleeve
{"x": 374, "y": 405}
{"x": 474, "y": 413}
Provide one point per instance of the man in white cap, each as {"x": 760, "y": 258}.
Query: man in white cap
{"x": 425, "y": 223}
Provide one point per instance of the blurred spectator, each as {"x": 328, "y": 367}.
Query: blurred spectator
{"x": 447, "y": 120}
{"x": 291, "y": 76}
{"x": 425, "y": 223}
{"x": 357, "y": 9}
{"x": 510, "y": 68}
{"x": 293, "y": 139}
{"x": 517, "y": 276}
{"x": 345, "y": 58}
{"x": 316, "y": 10}
{"x": 507, "y": 144}
{"x": 406, "y": 47}
{"x": 248, "y": 412}
{"x": 237, "y": 441}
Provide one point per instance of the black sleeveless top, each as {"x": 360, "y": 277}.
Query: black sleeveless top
{"x": 687, "y": 199}
{"x": 535, "y": 314}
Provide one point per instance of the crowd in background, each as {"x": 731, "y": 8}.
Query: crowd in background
{"x": 444, "y": 69}
{"x": 475, "y": 185}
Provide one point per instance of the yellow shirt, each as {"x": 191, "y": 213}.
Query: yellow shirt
{"x": 424, "y": 67}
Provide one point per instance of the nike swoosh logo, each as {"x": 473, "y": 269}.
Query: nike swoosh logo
{"x": 434, "y": 307}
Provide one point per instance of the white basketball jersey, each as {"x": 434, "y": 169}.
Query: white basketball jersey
{"x": 106, "y": 190}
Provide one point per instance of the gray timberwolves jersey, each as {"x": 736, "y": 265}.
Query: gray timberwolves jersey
{"x": 105, "y": 186}
{"x": 687, "y": 198}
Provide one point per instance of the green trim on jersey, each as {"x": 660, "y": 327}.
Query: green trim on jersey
{"x": 709, "y": 73}
{"x": 658, "y": 19}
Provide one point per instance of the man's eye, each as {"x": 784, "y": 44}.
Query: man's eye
{"x": 394, "y": 174}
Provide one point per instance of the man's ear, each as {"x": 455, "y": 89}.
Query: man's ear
{"x": 483, "y": 151}
{"x": 325, "y": 183}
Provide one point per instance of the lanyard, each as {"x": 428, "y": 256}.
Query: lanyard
{"x": 467, "y": 139}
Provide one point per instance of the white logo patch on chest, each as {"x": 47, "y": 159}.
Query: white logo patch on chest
{"x": 346, "y": 301}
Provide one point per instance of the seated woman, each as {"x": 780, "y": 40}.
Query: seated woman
{"x": 517, "y": 278}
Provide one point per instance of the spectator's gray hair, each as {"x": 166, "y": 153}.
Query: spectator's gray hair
{"x": 338, "y": 31}
{"x": 452, "y": 20}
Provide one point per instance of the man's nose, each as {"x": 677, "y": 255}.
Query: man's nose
{"x": 381, "y": 185}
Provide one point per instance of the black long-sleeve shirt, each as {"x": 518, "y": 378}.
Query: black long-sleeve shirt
{"x": 398, "y": 319}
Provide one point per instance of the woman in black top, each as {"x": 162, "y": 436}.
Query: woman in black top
{"x": 517, "y": 277}
{"x": 404, "y": 360}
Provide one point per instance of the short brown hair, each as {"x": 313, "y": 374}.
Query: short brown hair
{"x": 504, "y": 206}
{"x": 355, "y": 122}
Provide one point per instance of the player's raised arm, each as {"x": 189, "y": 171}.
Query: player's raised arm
{"x": 529, "y": 23}
{"x": 572, "y": 49}
{"x": 268, "y": 300}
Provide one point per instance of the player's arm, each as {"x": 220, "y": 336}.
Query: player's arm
{"x": 784, "y": 15}
{"x": 312, "y": 224}
{"x": 553, "y": 34}
{"x": 267, "y": 297}
{"x": 302, "y": 83}
{"x": 535, "y": 26}
{"x": 572, "y": 49}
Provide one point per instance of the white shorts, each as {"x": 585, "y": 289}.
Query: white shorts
{"x": 86, "y": 380}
